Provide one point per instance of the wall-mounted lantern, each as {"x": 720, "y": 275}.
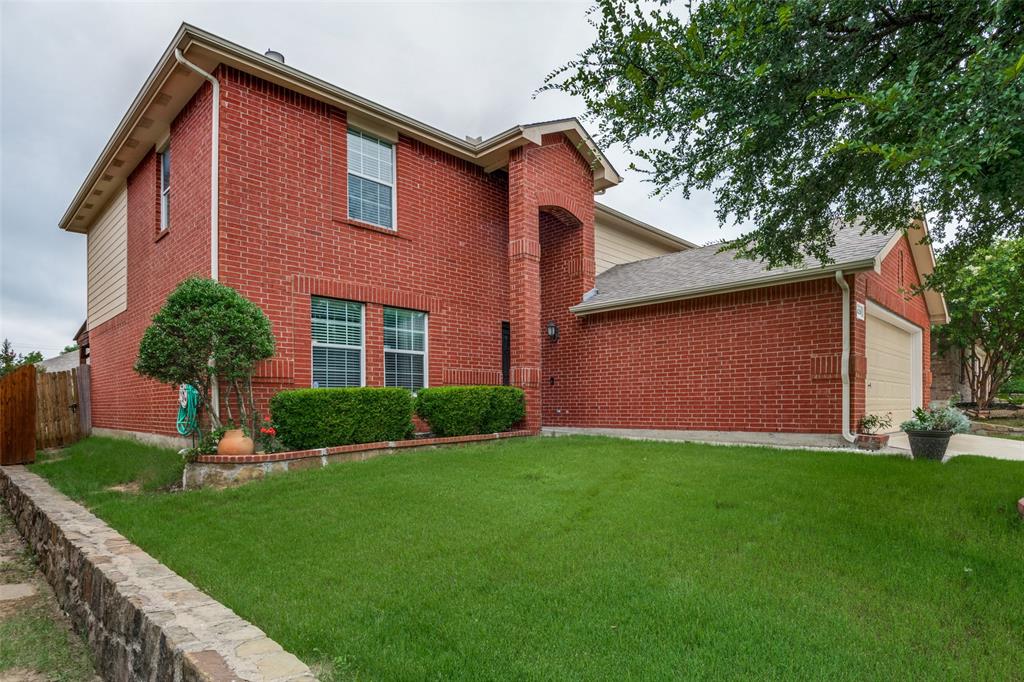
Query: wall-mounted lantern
{"x": 552, "y": 331}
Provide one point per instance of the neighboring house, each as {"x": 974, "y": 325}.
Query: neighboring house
{"x": 59, "y": 363}
{"x": 951, "y": 374}
{"x": 387, "y": 252}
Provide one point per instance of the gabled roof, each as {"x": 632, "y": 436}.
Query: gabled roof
{"x": 170, "y": 86}
{"x": 708, "y": 270}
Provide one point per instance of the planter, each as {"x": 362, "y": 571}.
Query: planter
{"x": 929, "y": 444}
{"x": 235, "y": 442}
{"x": 872, "y": 441}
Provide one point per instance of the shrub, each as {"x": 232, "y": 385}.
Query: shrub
{"x": 946, "y": 418}
{"x": 308, "y": 418}
{"x": 464, "y": 410}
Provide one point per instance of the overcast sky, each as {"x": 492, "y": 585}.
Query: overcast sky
{"x": 70, "y": 70}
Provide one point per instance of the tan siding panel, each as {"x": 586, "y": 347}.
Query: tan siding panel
{"x": 108, "y": 261}
{"x": 614, "y": 246}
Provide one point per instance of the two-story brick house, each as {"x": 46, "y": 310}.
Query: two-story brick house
{"x": 387, "y": 252}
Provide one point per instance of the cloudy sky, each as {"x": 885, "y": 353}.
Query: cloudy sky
{"x": 68, "y": 72}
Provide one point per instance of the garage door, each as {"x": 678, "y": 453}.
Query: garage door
{"x": 890, "y": 376}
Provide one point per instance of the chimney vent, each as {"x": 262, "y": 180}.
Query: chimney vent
{"x": 273, "y": 54}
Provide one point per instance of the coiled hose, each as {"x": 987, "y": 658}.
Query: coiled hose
{"x": 188, "y": 408}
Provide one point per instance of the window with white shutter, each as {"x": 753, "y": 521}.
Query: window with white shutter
{"x": 337, "y": 331}
{"x": 371, "y": 180}
{"x": 405, "y": 348}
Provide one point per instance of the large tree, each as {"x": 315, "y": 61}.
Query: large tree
{"x": 985, "y": 297}
{"x": 799, "y": 115}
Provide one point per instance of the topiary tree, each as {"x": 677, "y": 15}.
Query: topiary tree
{"x": 208, "y": 332}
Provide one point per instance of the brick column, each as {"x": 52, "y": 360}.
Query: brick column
{"x": 524, "y": 286}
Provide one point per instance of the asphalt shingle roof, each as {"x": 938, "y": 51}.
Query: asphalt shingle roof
{"x": 706, "y": 269}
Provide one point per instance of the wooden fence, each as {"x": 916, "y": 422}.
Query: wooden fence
{"x": 42, "y": 410}
{"x": 18, "y": 417}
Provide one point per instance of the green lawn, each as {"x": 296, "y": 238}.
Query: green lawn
{"x": 588, "y": 558}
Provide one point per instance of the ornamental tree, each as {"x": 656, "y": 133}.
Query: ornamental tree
{"x": 801, "y": 115}
{"x": 986, "y": 308}
{"x": 208, "y": 332}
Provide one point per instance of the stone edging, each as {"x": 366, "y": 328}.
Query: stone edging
{"x": 142, "y": 621}
{"x": 219, "y": 471}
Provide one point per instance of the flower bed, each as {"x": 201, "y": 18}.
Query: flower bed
{"x": 217, "y": 471}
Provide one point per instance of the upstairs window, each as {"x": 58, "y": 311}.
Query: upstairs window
{"x": 371, "y": 180}
{"x": 164, "y": 158}
{"x": 405, "y": 348}
{"x": 337, "y": 343}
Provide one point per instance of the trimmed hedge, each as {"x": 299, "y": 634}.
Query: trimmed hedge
{"x": 465, "y": 410}
{"x": 309, "y": 418}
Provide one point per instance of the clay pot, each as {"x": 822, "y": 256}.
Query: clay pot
{"x": 235, "y": 442}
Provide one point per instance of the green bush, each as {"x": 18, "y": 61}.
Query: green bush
{"x": 324, "y": 417}
{"x": 464, "y": 410}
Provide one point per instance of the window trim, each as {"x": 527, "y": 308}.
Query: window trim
{"x": 393, "y": 185}
{"x": 362, "y": 341}
{"x": 426, "y": 345}
{"x": 164, "y": 194}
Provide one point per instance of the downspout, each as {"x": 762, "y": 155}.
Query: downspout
{"x": 845, "y": 363}
{"x": 214, "y": 188}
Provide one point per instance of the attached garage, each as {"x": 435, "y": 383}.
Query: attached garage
{"x": 893, "y": 349}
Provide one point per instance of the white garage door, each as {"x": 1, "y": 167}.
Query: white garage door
{"x": 891, "y": 369}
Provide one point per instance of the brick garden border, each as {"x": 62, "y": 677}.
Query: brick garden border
{"x": 219, "y": 471}
{"x": 142, "y": 621}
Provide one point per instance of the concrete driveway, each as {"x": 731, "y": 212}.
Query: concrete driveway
{"x": 969, "y": 444}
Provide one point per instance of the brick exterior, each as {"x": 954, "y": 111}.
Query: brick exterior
{"x": 121, "y": 399}
{"x": 471, "y": 249}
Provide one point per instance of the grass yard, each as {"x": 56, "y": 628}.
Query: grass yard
{"x": 36, "y": 641}
{"x": 592, "y": 558}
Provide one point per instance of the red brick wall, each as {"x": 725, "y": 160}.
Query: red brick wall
{"x": 285, "y": 236}
{"x": 121, "y": 398}
{"x": 760, "y": 360}
{"x": 550, "y": 188}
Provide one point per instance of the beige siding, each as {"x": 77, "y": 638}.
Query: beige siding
{"x": 108, "y": 261}
{"x": 614, "y": 245}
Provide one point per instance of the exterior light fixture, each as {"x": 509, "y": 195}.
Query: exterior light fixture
{"x": 552, "y": 331}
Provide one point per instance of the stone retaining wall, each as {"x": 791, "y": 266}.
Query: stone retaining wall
{"x": 141, "y": 620}
{"x": 220, "y": 471}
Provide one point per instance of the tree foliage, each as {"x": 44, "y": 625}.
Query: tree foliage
{"x": 205, "y": 330}
{"x": 800, "y": 114}
{"x": 985, "y": 297}
{"x": 10, "y": 361}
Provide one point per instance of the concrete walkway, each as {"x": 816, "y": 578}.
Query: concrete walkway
{"x": 968, "y": 444}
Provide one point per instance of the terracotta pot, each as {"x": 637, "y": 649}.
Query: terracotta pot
{"x": 235, "y": 442}
{"x": 872, "y": 441}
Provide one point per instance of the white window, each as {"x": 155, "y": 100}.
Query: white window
{"x": 405, "y": 348}
{"x": 371, "y": 180}
{"x": 164, "y": 158}
{"x": 337, "y": 343}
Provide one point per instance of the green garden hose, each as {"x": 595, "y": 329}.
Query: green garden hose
{"x": 188, "y": 408}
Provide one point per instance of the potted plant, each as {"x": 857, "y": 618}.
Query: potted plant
{"x": 930, "y": 430}
{"x": 868, "y": 436}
